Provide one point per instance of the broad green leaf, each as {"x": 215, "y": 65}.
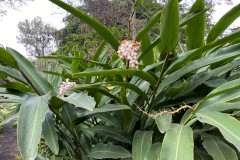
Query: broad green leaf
{"x": 223, "y": 23}
{"x": 97, "y": 53}
{"x": 164, "y": 122}
{"x": 192, "y": 16}
{"x": 101, "y": 30}
{"x": 183, "y": 60}
{"x": 177, "y": 143}
{"x": 196, "y": 27}
{"x": 221, "y": 107}
{"x": 225, "y": 53}
{"x": 142, "y": 142}
{"x": 149, "y": 25}
{"x": 144, "y": 53}
{"x": 173, "y": 91}
{"x": 81, "y": 100}
{"x": 228, "y": 126}
{"x": 133, "y": 72}
{"x": 75, "y": 63}
{"x": 18, "y": 86}
{"x": 13, "y": 74}
{"x": 102, "y": 151}
{"x": 31, "y": 117}
{"x": 32, "y": 73}
{"x": 229, "y": 86}
{"x": 137, "y": 4}
{"x": 169, "y": 25}
{"x": 105, "y": 108}
{"x": 154, "y": 152}
{"x": 104, "y": 65}
{"x": 149, "y": 57}
{"x": 201, "y": 155}
{"x": 218, "y": 149}
{"x": 6, "y": 57}
{"x": 49, "y": 132}
{"x": 112, "y": 132}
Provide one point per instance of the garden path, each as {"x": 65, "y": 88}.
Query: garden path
{"x": 8, "y": 142}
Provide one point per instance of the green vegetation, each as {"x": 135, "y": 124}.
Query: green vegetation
{"x": 153, "y": 98}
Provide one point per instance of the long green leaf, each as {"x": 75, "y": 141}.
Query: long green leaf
{"x": 13, "y": 74}
{"x": 18, "y": 86}
{"x": 178, "y": 143}
{"x": 154, "y": 152}
{"x": 6, "y": 57}
{"x": 218, "y": 149}
{"x": 192, "y": 16}
{"x": 137, "y": 4}
{"x": 49, "y": 132}
{"x": 103, "y": 31}
{"x": 228, "y": 126}
{"x": 133, "y": 72}
{"x": 31, "y": 117}
{"x": 229, "y": 86}
{"x": 149, "y": 25}
{"x": 102, "y": 151}
{"x": 142, "y": 142}
{"x": 223, "y": 23}
{"x": 148, "y": 59}
{"x": 81, "y": 100}
{"x": 112, "y": 132}
{"x": 183, "y": 60}
{"x": 107, "y": 66}
{"x": 196, "y": 27}
{"x": 97, "y": 53}
{"x": 164, "y": 122}
{"x": 226, "y": 53}
{"x": 169, "y": 25}
{"x": 33, "y": 74}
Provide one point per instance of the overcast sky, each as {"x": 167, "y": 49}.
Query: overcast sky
{"x": 53, "y": 15}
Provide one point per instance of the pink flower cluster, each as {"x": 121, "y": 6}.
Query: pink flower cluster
{"x": 65, "y": 86}
{"x": 128, "y": 50}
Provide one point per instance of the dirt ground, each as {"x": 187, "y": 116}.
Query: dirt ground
{"x": 8, "y": 142}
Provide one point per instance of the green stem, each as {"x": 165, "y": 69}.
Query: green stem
{"x": 192, "y": 113}
{"x": 156, "y": 87}
{"x": 75, "y": 151}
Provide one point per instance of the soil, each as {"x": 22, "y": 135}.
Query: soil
{"x": 8, "y": 142}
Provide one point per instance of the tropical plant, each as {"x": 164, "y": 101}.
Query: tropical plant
{"x": 180, "y": 106}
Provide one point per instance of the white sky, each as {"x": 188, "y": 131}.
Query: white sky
{"x": 50, "y": 14}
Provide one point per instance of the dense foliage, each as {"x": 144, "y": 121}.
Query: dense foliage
{"x": 180, "y": 105}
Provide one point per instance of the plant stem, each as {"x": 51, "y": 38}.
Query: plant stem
{"x": 75, "y": 151}
{"x": 157, "y": 85}
{"x": 192, "y": 113}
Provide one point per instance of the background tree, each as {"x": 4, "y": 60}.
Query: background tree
{"x": 37, "y": 37}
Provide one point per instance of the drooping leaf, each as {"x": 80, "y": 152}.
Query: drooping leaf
{"x": 223, "y": 23}
{"x": 31, "y": 117}
{"x": 33, "y": 74}
{"x": 164, "y": 122}
{"x": 112, "y": 132}
{"x": 49, "y": 132}
{"x": 169, "y": 25}
{"x": 218, "y": 149}
{"x": 196, "y": 27}
{"x": 177, "y": 143}
{"x": 145, "y": 43}
{"x": 81, "y": 100}
{"x": 102, "y": 151}
{"x": 6, "y": 57}
{"x": 228, "y": 126}
{"x": 101, "y": 30}
{"x": 18, "y": 86}
{"x": 149, "y": 25}
{"x": 154, "y": 152}
{"x": 134, "y": 72}
{"x": 142, "y": 142}
{"x": 13, "y": 74}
